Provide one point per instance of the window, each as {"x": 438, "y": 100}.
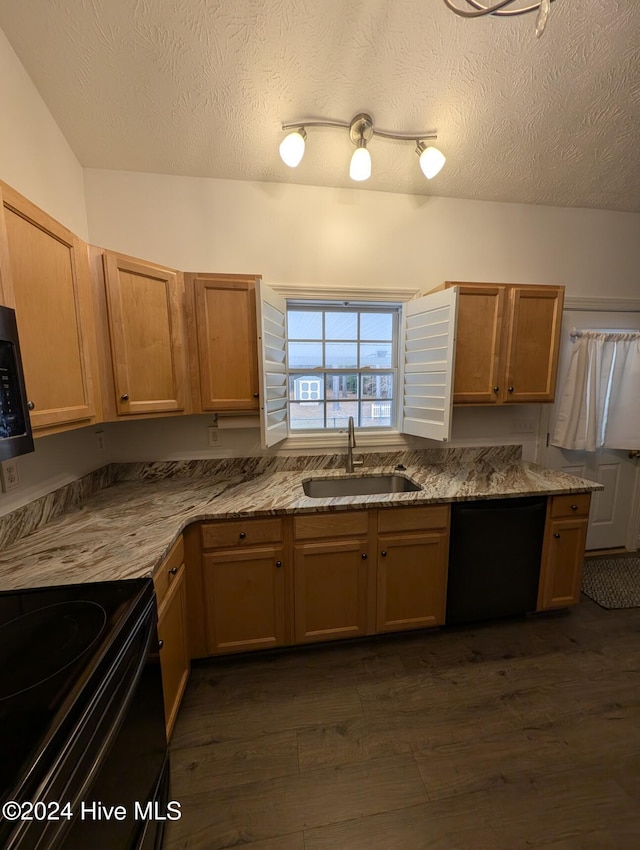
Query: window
{"x": 320, "y": 364}
{"x": 342, "y": 362}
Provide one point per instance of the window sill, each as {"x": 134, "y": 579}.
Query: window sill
{"x": 389, "y": 439}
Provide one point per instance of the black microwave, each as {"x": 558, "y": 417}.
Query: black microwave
{"x": 15, "y": 426}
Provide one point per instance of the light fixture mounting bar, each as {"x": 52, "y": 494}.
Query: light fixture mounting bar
{"x": 493, "y": 9}
{"x": 348, "y": 125}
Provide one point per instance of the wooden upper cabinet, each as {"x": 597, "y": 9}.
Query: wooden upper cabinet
{"x": 45, "y": 278}
{"x": 222, "y": 322}
{"x": 507, "y": 343}
{"x": 531, "y": 359}
{"x": 146, "y": 336}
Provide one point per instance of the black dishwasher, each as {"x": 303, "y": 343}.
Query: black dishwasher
{"x": 494, "y": 558}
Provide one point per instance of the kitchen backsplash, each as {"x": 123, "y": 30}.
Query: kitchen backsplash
{"x": 30, "y": 517}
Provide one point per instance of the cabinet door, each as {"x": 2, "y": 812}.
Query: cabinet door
{"x": 147, "y": 338}
{"x": 225, "y": 368}
{"x": 531, "y": 359}
{"x": 412, "y": 581}
{"x": 244, "y": 598}
{"x": 479, "y": 340}
{"x": 562, "y": 560}
{"x": 174, "y": 651}
{"x": 330, "y": 589}
{"x": 46, "y": 280}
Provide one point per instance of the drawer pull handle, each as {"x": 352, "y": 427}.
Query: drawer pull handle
{"x": 556, "y": 534}
{"x": 243, "y": 534}
{"x": 278, "y": 564}
{"x": 173, "y": 571}
{"x": 574, "y": 507}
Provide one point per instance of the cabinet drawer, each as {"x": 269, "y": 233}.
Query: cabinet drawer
{"x": 244, "y": 532}
{"x": 168, "y": 570}
{"x": 573, "y": 504}
{"x": 413, "y": 519}
{"x": 331, "y": 525}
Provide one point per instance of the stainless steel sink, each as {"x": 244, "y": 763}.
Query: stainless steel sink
{"x": 326, "y": 488}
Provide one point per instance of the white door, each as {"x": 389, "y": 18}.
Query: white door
{"x": 614, "y": 519}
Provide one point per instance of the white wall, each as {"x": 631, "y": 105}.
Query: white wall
{"x": 35, "y": 158}
{"x": 37, "y": 161}
{"x": 305, "y": 234}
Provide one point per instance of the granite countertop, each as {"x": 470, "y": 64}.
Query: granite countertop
{"x": 125, "y": 530}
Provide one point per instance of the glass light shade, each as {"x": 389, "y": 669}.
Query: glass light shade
{"x": 431, "y": 162}
{"x": 292, "y": 149}
{"x": 360, "y": 167}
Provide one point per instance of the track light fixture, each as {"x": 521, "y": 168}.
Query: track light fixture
{"x": 502, "y": 8}
{"x": 361, "y": 131}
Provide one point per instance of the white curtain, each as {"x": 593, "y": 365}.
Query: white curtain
{"x": 599, "y": 404}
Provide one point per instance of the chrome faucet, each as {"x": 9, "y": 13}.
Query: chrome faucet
{"x": 351, "y": 444}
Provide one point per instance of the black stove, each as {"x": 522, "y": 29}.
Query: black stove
{"x": 80, "y": 689}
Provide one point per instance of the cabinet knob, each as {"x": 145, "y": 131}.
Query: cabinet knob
{"x": 256, "y": 395}
{"x": 364, "y": 556}
{"x": 242, "y": 535}
{"x": 160, "y": 644}
{"x": 31, "y": 405}
{"x": 384, "y": 553}
{"x": 574, "y": 507}
{"x": 510, "y": 389}
{"x": 173, "y": 571}
{"x": 278, "y": 564}
{"x": 556, "y": 534}
{"x": 496, "y": 389}
{"x": 124, "y": 397}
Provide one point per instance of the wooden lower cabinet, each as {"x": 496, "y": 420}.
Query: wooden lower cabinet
{"x": 331, "y": 581}
{"x": 563, "y": 551}
{"x": 411, "y": 581}
{"x": 174, "y": 650}
{"x": 244, "y": 599}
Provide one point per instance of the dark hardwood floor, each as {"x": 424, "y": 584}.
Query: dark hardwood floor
{"x": 519, "y": 734}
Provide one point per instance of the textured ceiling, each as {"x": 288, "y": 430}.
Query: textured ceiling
{"x": 201, "y": 87}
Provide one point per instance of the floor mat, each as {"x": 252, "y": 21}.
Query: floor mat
{"x": 613, "y": 581}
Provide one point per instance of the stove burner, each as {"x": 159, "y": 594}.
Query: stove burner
{"x": 38, "y": 646}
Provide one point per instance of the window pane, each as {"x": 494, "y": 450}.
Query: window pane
{"x": 305, "y": 324}
{"x": 338, "y": 414}
{"x": 341, "y": 355}
{"x": 376, "y": 326}
{"x": 305, "y": 355}
{"x": 306, "y": 416}
{"x": 376, "y": 414}
{"x": 341, "y": 325}
{"x": 307, "y": 388}
{"x": 341, "y": 387}
{"x": 377, "y": 386}
{"x": 375, "y": 354}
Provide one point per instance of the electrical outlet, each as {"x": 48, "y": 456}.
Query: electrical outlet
{"x": 100, "y": 441}
{"x": 214, "y": 435}
{"x": 523, "y": 426}
{"x": 10, "y": 474}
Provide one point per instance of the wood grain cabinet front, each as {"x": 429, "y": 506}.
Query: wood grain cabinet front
{"x": 412, "y": 568}
{"x": 507, "y": 342}
{"x": 563, "y": 551}
{"x": 45, "y": 278}
{"x": 170, "y": 586}
{"x": 141, "y": 325}
{"x": 224, "y": 354}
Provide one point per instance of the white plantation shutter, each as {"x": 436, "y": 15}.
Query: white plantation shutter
{"x": 272, "y": 353}
{"x": 428, "y": 361}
